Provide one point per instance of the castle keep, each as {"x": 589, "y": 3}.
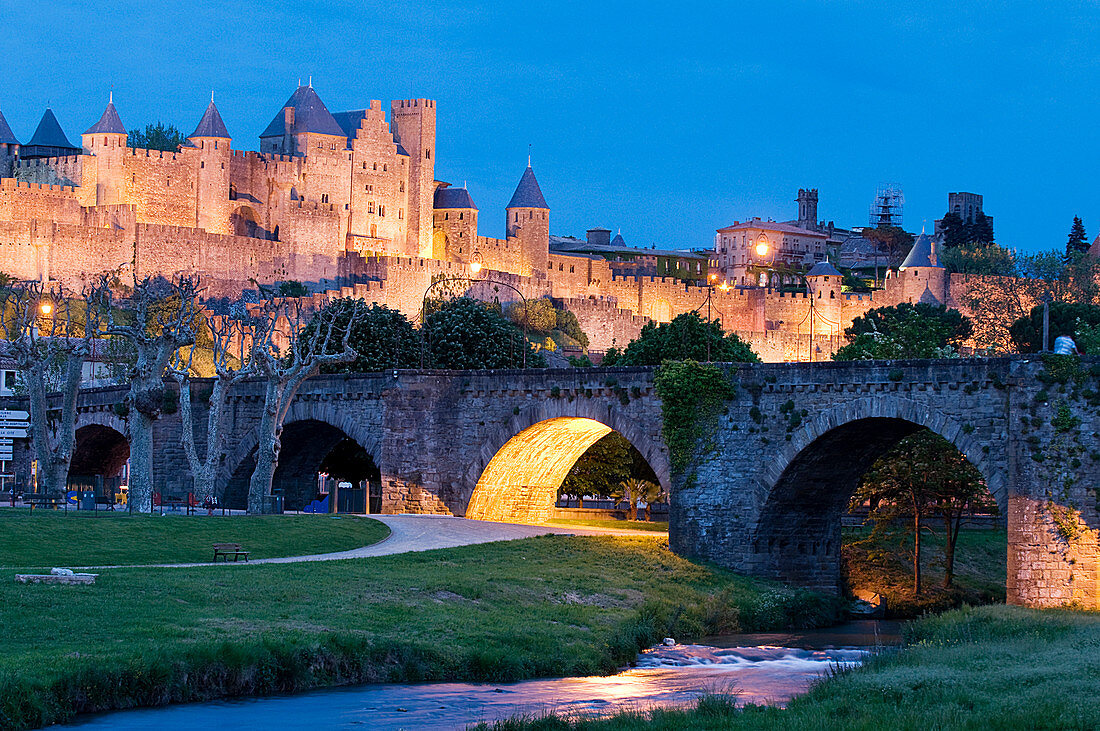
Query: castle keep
{"x": 348, "y": 204}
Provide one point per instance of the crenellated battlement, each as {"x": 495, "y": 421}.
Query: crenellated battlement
{"x": 12, "y": 184}
{"x": 162, "y": 154}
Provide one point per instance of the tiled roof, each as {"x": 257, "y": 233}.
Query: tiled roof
{"x": 48, "y": 133}
{"x": 6, "y": 136}
{"x": 757, "y": 223}
{"x": 211, "y": 124}
{"x": 922, "y": 254}
{"x": 528, "y": 193}
{"x": 310, "y": 115}
{"x": 453, "y": 198}
{"x": 110, "y": 122}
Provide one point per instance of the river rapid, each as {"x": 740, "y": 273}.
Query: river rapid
{"x": 759, "y": 668}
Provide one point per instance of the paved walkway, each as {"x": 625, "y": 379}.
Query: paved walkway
{"x": 421, "y": 533}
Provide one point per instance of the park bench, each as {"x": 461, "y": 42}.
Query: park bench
{"x": 225, "y": 550}
{"x": 41, "y": 501}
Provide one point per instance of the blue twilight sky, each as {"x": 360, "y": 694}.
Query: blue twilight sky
{"x": 667, "y": 119}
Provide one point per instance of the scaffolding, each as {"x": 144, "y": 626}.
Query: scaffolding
{"x": 888, "y": 206}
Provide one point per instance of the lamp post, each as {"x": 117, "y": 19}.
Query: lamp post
{"x": 475, "y": 267}
{"x": 762, "y": 249}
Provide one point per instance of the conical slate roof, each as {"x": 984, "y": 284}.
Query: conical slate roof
{"x": 110, "y": 122}
{"x": 823, "y": 269}
{"x": 211, "y": 124}
{"x": 453, "y": 198}
{"x": 922, "y": 254}
{"x": 6, "y": 136}
{"x": 618, "y": 240}
{"x": 310, "y": 115}
{"x": 528, "y": 193}
{"x": 48, "y": 133}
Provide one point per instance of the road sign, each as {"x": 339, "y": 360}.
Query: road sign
{"x": 5, "y": 442}
{"x": 13, "y": 433}
{"x": 8, "y": 415}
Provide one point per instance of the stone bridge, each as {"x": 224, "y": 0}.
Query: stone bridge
{"x": 766, "y": 500}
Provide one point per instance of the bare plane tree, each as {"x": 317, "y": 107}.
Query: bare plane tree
{"x": 288, "y": 347}
{"x": 232, "y": 363}
{"x": 156, "y": 320}
{"x": 50, "y": 336}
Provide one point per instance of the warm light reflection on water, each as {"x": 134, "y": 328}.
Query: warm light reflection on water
{"x": 664, "y": 677}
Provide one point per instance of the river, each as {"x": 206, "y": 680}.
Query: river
{"x": 760, "y": 668}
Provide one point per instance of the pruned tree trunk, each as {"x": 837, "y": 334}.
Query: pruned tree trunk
{"x": 916, "y": 551}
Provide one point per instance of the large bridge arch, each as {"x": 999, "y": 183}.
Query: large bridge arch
{"x": 805, "y": 489}
{"x": 311, "y": 431}
{"x": 521, "y": 464}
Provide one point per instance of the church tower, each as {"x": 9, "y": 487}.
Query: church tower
{"x": 106, "y": 140}
{"x": 807, "y": 209}
{"x": 528, "y": 221}
{"x": 211, "y": 140}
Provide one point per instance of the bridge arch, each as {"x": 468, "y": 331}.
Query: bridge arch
{"x": 804, "y": 491}
{"x": 312, "y": 433}
{"x": 516, "y": 474}
{"x": 101, "y": 447}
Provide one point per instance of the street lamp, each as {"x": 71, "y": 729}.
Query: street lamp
{"x": 475, "y": 267}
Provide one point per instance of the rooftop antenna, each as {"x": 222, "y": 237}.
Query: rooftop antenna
{"x": 311, "y": 81}
{"x": 211, "y": 96}
{"x": 528, "y": 154}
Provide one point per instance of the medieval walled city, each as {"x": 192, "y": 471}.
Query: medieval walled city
{"x": 347, "y": 204}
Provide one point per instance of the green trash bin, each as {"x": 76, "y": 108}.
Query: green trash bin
{"x": 87, "y": 500}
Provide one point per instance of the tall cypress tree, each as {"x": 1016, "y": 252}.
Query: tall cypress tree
{"x": 1078, "y": 239}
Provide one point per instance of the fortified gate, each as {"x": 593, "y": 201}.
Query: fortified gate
{"x": 787, "y": 453}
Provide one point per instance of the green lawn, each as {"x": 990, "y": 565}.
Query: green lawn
{"x": 977, "y": 668}
{"x": 885, "y": 566}
{"x": 45, "y": 538}
{"x": 616, "y": 524}
{"x": 547, "y": 606}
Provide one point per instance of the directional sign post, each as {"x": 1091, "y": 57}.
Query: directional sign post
{"x": 8, "y": 415}
{"x": 13, "y": 433}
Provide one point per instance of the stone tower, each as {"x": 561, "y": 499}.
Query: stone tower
{"x": 455, "y": 225}
{"x": 106, "y": 140}
{"x": 413, "y": 124}
{"x": 921, "y": 278}
{"x": 9, "y": 149}
{"x": 211, "y": 140}
{"x": 528, "y": 220}
{"x": 303, "y": 127}
{"x": 807, "y": 209}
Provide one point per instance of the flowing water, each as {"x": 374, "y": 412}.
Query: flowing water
{"x": 760, "y": 668}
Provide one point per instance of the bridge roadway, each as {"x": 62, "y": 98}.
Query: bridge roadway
{"x": 764, "y": 498}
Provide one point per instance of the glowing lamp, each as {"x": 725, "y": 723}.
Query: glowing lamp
{"x": 46, "y": 308}
{"x": 724, "y": 286}
{"x": 475, "y": 267}
{"x": 762, "y": 248}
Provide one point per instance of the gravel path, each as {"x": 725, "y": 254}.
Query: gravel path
{"x": 420, "y": 533}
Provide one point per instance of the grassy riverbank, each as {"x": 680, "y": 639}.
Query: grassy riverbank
{"x": 885, "y": 566}
{"x": 540, "y": 607}
{"x": 45, "y": 538}
{"x": 974, "y": 668}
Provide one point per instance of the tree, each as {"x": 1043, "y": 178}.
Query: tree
{"x": 1066, "y": 318}
{"x": 981, "y": 230}
{"x": 156, "y": 137}
{"x": 382, "y": 338}
{"x": 539, "y": 315}
{"x": 467, "y": 334}
{"x": 922, "y": 477}
{"x": 227, "y": 335}
{"x": 955, "y": 231}
{"x": 50, "y": 337}
{"x": 156, "y": 319}
{"x": 892, "y": 241}
{"x": 568, "y": 324}
{"x": 991, "y": 260}
{"x": 608, "y": 462}
{"x": 284, "y": 354}
{"x": 685, "y": 338}
{"x": 1078, "y": 239}
{"x": 641, "y": 491}
{"x": 905, "y": 331}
